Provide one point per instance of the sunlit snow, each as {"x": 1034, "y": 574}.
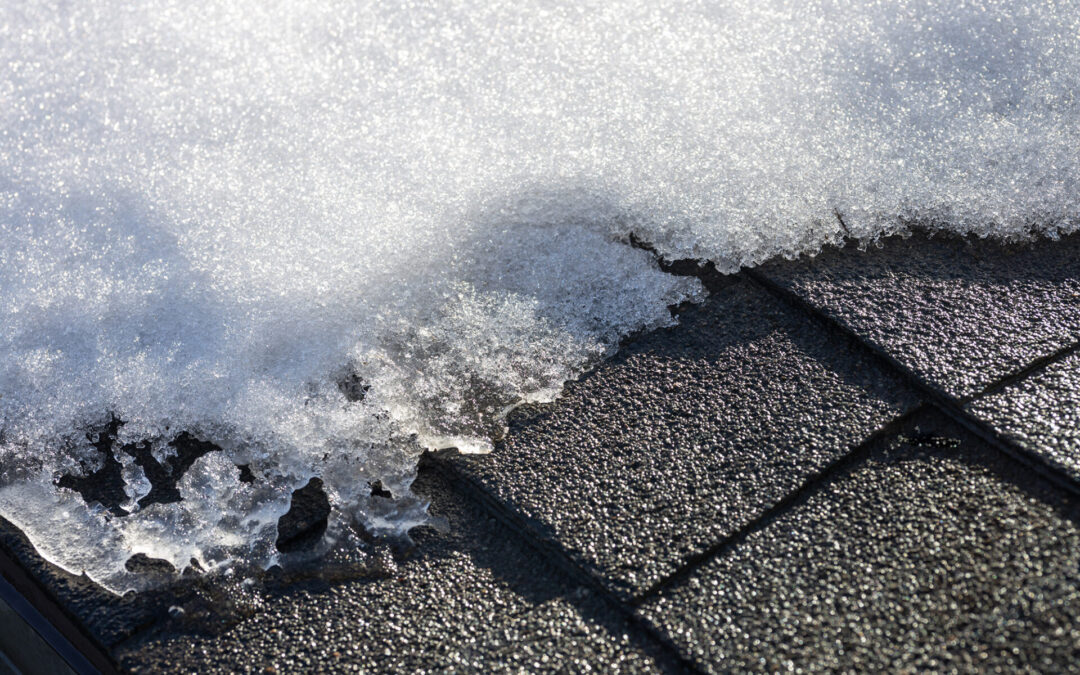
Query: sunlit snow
{"x": 214, "y": 216}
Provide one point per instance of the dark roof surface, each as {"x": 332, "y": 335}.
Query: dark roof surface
{"x": 868, "y": 459}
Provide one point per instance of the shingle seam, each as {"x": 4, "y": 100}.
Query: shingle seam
{"x": 554, "y": 554}
{"x": 1055, "y": 473}
{"x": 792, "y": 498}
{"x": 1037, "y": 365}
{"x": 882, "y": 357}
{"x": 951, "y": 406}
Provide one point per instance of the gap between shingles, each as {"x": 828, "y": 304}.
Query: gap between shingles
{"x": 954, "y": 407}
{"x": 557, "y": 556}
{"x": 851, "y": 458}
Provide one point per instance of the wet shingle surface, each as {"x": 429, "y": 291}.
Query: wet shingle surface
{"x": 934, "y": 554}
{"x": 1040, "y": 413}
{"x": 473, "y": 599}
{"x": 959, "y": 313}
{"x": 687, "y": 435}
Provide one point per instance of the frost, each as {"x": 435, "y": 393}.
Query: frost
{"x": 323, "y": 236}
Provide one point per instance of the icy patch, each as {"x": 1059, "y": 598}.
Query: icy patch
{"x": 325, "y": 235}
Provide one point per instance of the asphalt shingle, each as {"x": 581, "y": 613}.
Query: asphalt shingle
{"x": 935, "y": 553}
{"x": 1040, "y": 413}
{"x": 930, "y": 550}
{"x": 473, "y": 599}
{"x": 686, "y": 435}
{"x": 958, "y": 313}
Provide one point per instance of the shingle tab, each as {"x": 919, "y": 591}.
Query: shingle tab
{"x": 936, "y": 553}
{"x": 473, "y": 599}
{"x": 687, "y": 435}
{"x": 958, "y": 313}
{"x": 1040, "y": 413}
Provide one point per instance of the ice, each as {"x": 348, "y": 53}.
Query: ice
{"x": 136, "y": 484}
{"x": 326, "y": 235}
